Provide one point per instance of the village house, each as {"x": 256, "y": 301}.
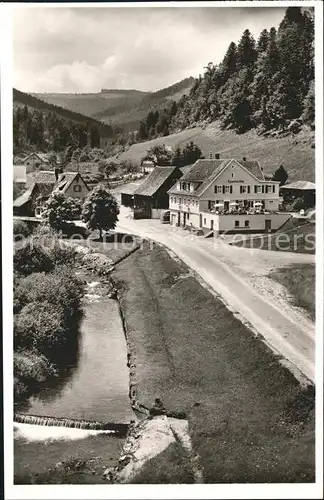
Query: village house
{"x": 36, "y": 160}
{"x": 151, "y": 197}
{"x": 71, "y": 184}
{"x": 299, "y": 189}
{"x": 226, "y": 195}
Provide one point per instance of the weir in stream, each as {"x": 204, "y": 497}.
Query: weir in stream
{"x": 119, "y": 430}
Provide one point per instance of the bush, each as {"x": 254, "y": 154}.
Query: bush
{"x": 32, "y": 258}
{"x": 40, "y": 327}
{"x": 298, "y": 204}
{"x": 20, "y": 230}
{"x": 30, "y": 371}
{"x": 60, "y": 287}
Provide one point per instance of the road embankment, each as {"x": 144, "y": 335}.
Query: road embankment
{"x": 249, "y": 419}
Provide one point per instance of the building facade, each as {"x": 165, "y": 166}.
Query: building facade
{"x": 71, "y": 184}
{"x": 225, "y": 195}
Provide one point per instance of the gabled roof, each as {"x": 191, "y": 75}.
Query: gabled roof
{"x": 254, "y": 167}
{"x": 154, "y": 181}
{"x": 202, "y": 170}
{"x": 45, "y": 183}
{"x": 41, "y": 156}
{"x": 23, "y": 198}
{"x": 205, "y": 170}
{"x": 302, "y": 185}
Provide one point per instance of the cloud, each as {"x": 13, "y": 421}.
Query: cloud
{"x": 86, "y": 49}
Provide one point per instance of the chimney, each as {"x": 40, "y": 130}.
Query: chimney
{"x": 217, "y": 156}
{"x": 57, "y": 171}
{"x": 244, "y": 158}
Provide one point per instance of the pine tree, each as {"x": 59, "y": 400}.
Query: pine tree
{"x": 229, "y": 63}
{"x": 246, "y": 52}
{"x": 280, "y": 175}
{"x": 263, "y": 41}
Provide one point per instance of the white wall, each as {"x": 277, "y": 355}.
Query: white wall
{"x": 234, "y": 175}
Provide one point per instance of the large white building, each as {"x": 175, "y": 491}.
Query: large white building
{"x": 226, "y": 195}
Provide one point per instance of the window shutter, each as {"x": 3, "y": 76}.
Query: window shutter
{"x": 231, "y": 189}
{"x": 255, "y": 188}
{"x": 262, "y": 188}
{"x": 248, "y": 190}
{"x": 215, "y": 189}
{"x": 223, "y": 189}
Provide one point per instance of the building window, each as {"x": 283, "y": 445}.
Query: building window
{"x": 204, "y": 221}
{"x": 237, "y": 223}
{"x": 233, "y": 175}
{"x": 210, "y": 204}
{"x": 196, "y": 203}
{"x": 188, "y": 216}
{"x": 188, "y": 186}
{"x": 243, "y": 189}
{"x": 247, "y": 223}
{"x": 77, "y": 188}
{"x": 171, "y": 199}
{"x": 218, "y": 189}
{"x": 257, "y": 189}
{"x": 228, "y": 189}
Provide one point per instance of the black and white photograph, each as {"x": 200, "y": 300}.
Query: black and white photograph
{"x": 162, "y": 213}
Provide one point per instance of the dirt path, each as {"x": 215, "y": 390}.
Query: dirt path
{"x": 234, "y": 273}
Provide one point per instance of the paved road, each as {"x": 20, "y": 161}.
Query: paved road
{"x": 283, "y": 332}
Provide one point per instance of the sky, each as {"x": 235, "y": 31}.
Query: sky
{"x": 85, "y": 49}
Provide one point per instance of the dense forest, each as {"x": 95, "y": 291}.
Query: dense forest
{"x": 47, "y": 127}
{"x": 265, "y": 84}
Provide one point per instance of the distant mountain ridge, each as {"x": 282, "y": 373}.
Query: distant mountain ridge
{"x": 22, "y": 98}
{"x": 124, "y": 108}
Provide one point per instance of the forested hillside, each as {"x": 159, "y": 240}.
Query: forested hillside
{"x": 120, "y": 108}
{"x": 265, "y": 84}
{"x": 43, "y": 126}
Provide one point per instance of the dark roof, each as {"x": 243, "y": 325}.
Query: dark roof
{"x": 45, "y": 182}
{"x": 253, "y": 166}
{"x": 302, "y": 185}
{"x": 203, "y": 169}
{"x": 154, "y": 181}
{"x": 45, "y": 177}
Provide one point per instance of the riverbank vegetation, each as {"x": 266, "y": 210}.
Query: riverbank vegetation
{"x": 47, "y": 308}
{"x": 187, "y": 349}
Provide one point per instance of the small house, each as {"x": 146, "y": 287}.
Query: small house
{"x": 151, "y": 197}
{"x": 299, "y": 189}
{"x": 71, "y": 184}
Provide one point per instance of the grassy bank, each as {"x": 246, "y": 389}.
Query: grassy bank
{"x": 295, "y": 236}
{"x": 250, "y": 420}
{"x": 299, "y": 279}
{"x": 295, "y": 153}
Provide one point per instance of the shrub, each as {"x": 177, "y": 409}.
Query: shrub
{"x": 32, "y": 258}
{"x": 20, "y": 230}
{"x": 40, "y": 327}
{"x": 298, "y": 204}
{"x": 60, "y": 287}
{"x": 30, "y": 371}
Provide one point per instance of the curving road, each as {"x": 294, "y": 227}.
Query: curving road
{"x": 217, "y": 264}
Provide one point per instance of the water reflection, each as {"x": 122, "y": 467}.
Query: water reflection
{"x": 94, "y": 384}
